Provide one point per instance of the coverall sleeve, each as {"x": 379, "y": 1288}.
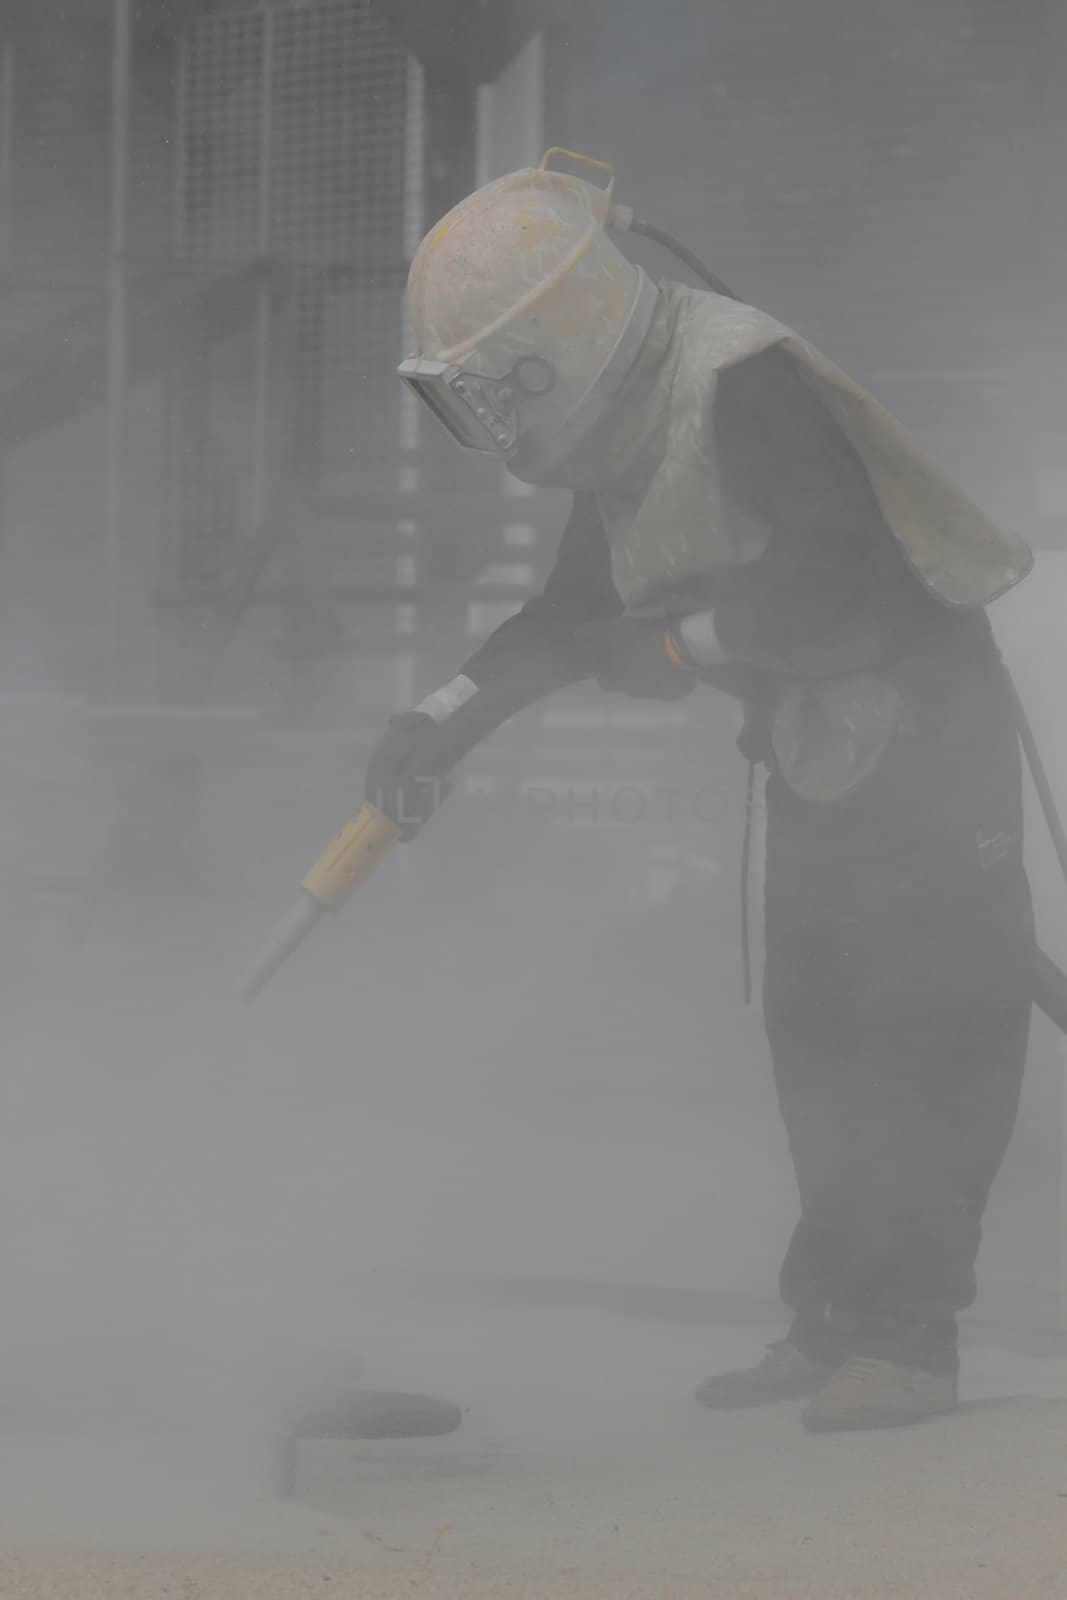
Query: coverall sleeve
{"x": 533, "y": 653}
{"x": 534, "y": 649}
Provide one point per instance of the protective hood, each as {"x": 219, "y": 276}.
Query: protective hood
{"x": 659, "y": 485}
{"x": 653, "y": 464}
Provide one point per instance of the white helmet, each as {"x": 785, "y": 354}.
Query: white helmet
{"x": 528, "y": 318}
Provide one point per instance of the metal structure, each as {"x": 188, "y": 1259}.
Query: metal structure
{"x": 312, "y": 141}
{"x": 291, "y": 132}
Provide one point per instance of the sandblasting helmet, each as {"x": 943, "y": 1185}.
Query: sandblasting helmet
{"x": 528, "y": 319}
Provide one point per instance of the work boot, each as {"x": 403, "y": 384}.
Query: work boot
{"x": 868, "y": 1393}
{"x": 785, "y": 1373}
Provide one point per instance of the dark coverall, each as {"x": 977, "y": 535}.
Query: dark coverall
{"x": 898, "y": 919}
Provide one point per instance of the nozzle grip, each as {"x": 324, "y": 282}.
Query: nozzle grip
{"x": 351, "y": 858}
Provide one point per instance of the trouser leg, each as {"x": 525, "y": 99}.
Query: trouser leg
{"x": 895, "y": 1142}
{"x": 946, "y": 1101}
{"x": 897, "y": 1007}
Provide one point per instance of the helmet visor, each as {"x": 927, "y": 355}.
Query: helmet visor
{"x": 466, "y": 404}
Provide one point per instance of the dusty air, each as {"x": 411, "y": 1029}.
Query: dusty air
{"x": 533, "y": 577}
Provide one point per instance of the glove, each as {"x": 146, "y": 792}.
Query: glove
{"x": 405, "y": 772}
{"x": 638, "y": 656}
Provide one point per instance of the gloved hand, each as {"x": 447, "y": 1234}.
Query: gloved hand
{"x": 637, "y": 656}
{"x": 405, "y": 774}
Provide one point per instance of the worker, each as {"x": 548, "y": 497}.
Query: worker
{"x": 746, "y": 516}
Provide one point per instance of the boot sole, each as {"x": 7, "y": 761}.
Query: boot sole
{"x": 860, "y": 1421}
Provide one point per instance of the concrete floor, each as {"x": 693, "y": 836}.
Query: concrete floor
{"x": 495, "y": 1201}
{"x": 582, "y": 1469}
{"x": 472, "y": 1224}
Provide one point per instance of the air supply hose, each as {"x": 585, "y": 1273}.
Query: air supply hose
{"x": 649, "y": 230}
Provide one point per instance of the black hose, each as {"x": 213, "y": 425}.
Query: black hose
{"x": 676, "y": 248}
{"x": 1050, "y": 982}
{"x": 746, "y": 871}
{"x": 1039, "y": 773}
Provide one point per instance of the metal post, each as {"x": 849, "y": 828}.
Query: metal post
{"x": 7, "y": 149}
{"x": 261, "y": 439}
{"x": 511, "y": 115}
{"x": 511, "y": 134}
{"x": 180, "y": 145}
{"x": 118, "y": 294}
{"x": 451, "y": 136}
{"x": 414, "y": 226}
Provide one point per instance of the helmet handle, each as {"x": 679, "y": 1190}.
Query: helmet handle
{"x": 623, "y": 220}
{"x": 583, "y": 161}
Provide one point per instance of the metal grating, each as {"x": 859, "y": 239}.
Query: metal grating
{"x": 339, "y": 110}
{"x": 295, "y": 133}
{"x": 221, "y": 136}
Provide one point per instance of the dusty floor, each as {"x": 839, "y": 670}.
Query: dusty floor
{"x": 581, "y": 1470}
{"x": 292, "y": 1166}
